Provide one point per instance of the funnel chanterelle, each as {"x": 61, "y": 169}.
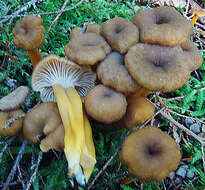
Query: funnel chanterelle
{"x": 62, "y": 81}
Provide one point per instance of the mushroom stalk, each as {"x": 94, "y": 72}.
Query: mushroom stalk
{"x": 72, "y": 118}
{"x": 88, "y": 160}
{"x": 35, "y": 56}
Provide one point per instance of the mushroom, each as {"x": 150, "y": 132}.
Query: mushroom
{"x": 138, "y": 111}
{"x": 15, "y": 127}
{"x": 158, "y": 67}
{"x": 105, "y": 105}
{"x": 150, "y": 154}
{"x": 113, "y": 73}
{"x": 87, "y": 49}
{"x": 53, "y": 140}
{"x": 162, "y": 25}
{"x": 56, "y": 79}
{"x": 120, "y": 34}
{"x": 15, "y": 99}
{"x": 42, "y": 119}
{"x": 29, "y": 35}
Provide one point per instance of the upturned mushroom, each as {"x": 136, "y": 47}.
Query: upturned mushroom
{"x": 29, "y": 35}
{"x": 150, "y": 154}
{"x": 56, "y": 79}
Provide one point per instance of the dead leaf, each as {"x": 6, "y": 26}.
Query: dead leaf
{"x": 174, "y": 3}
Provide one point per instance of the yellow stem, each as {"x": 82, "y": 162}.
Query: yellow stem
{"x": 72, "y": 123}
{"x": 194, "y": 19}
{"x": 35, "y": 56}
{"x": 87, "y": 159}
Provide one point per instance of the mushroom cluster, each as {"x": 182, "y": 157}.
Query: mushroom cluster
{"x": 130, "y": 59}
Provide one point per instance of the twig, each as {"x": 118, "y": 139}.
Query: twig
{"x": 59, "y": 14}
{"x": 33, "y": 176}
{"x": 186, "y": 130}
{"x": 193, "y": 118}
{"x": 13, "y": 170}
{"x": 6, "y": 145}
{"x": 10, "y": 121}
{"x": 108, "y": 162}
{"x": 16, "y": 14}
{"x": 21, "y": 177}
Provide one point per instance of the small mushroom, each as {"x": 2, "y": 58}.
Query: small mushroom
{"x": 105, "y": 105}
{"x": 15, "y": 99}
{"x": 56, "y": 79}
{"x": 113, "y": 73}
{"x": 162, "y": 25}
{"x": 87, "y": 49}
{"x": 138, "y": 111}
{"x": 120, "y": 34}
{"x": 15, "y": 127}
{"x": 150, "y": 154}
{"x": 158, "y": 67}
{"x": 42, "y": 119}
{"x": 29, "y": 35}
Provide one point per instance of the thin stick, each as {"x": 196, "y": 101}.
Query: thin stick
{"x": 108, "y": 162}
{"x": 21, "y": 177}
{"x": 186, "y": 130}
{"x": 59, "y": 14}
{"x": 6, "y": 145}
{"x": 33, "y": 176}
{"x": 16, "y": 14}
{"x": 13, "y": 170}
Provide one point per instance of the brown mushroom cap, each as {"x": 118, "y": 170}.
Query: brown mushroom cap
{"x": 192, "y": 54}
{"x": 29, "y": 33}
{"x": 15, "y": 99}
{"x": 105, "y": 105}
{"x": 15, "y": 127}
{"x": 138, "y": 111}
{"x": 94, "y": 28}
{"x": 150, "y": 154}
{"x": 54, "y": 140}
{"x": 113, "y": 73}
{"x": 120, "y": 34}
{"x": 74, "y": 32}
{"x": 87, "y": 49}
{"x": 157, "y": 67}
{"x": 162, "y": 25}
{"x": 43, "y": 119}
